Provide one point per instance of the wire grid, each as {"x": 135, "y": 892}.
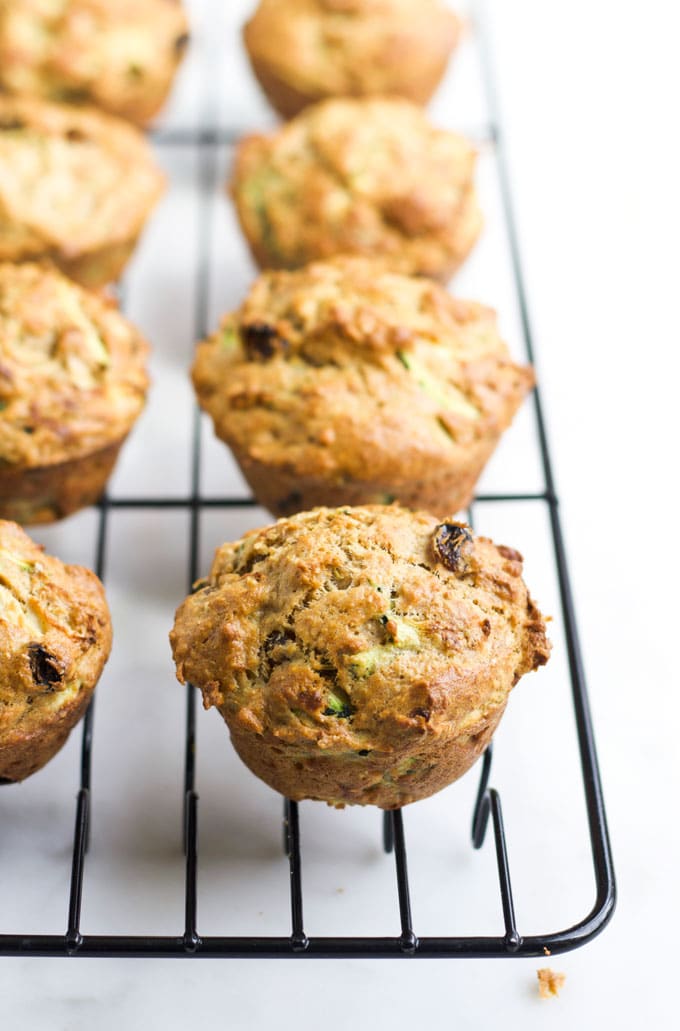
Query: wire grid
{"x": 488, "y": 802}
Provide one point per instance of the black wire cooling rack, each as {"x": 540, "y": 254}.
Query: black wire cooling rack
{"x": 488, "y": 801}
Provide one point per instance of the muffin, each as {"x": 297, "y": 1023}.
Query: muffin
{"x": 118, "y": 56}
{"x": 370, "y": 177}
{"x": 360, "y": 655}
{"x": 55, "y": 637}
{"x": 345, "y": 383}
{"x": 303, "y": 51}
{"x": 72, "y": 383}
{"x": 76, "y": 186}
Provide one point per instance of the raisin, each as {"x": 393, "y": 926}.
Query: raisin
{"x": 449, "y": 541}
{"x": 76, "y": 136}
{"x": 46, "y": 669}
{"x": 181, "y": 43}
{"x": 423, "y": 713}
{"x": 262, "y": 341}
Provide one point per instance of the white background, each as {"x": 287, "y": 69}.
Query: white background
{"x": 589, "y": 95}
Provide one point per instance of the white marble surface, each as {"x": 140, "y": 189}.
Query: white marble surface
{"x": 589, "y": 112}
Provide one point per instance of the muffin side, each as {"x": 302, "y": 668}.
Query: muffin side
{"x": 308, "y": 50}
{"x": 346, "y": 383}
{"x": 55, "y": 638}
{"x": 120, "y": 57}
{"x": 76, "y": 186}
{"x": 325, "y": 184}
{"x": 360, "y": 655}
{"x": 72, "y": 383}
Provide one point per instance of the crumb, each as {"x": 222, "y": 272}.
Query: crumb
{"x": 550, "y": 982}
{"x": 340, "y": 891}
{"x": 547, "y": 950}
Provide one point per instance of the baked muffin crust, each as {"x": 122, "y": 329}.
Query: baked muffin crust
{"x": 345, "y": 383}
{"x": 327, "y": 183}
{"x": 360, "y": 655}
{"x": 118, "y": 56}
{"x": 72, "y": 383}
{"x": 303, "y": 51}
{"x": 55, "y": 637}
{"x": 76, "y": 186}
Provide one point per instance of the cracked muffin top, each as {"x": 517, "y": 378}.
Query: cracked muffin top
{"x": 55, "y": 636}
{"x": 72, "y": 369}
{"x": 369, "y": 176}
{"x": 118, "y": 56}
{"x": 346, "y": 369}
{"x": 306, "y": 50}
{"x": 72, "y": 181}
{"x": 370, "y": 632}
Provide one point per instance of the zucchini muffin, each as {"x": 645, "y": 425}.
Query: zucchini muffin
{"x": 55, "y": 637}
{"x": 360, "y": 655}
{"x": 370, "y": 177}
{"x": 303, "y": 51}
{"x": 72, "y": 383}
{"x": 119, "y": 56}
{"x": 76, "y": 186}
{"x": 345, "y": 383}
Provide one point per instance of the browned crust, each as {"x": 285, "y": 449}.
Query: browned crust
{"x": 76, "y": 52}
{"x": 93, "y": 155}
{"x": 346, "y": 384}
{"x": 50, "y": 492}
{"x": 360, "y": 655}
{"x": 300, "y": 198}
{"x": 362, "y": 53}
{"x": 23, "y": 753}
{"x": 55, "y": 638}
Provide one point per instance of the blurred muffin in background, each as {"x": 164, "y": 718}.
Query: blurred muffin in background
{"x": 345, "y": 384}
{"x": 370, "y": 176}
{"x": 76, "y": 186}
{"x": 72, "y": 383}
{"x": 303, "y": 51}
{"x": 120, "y": 56}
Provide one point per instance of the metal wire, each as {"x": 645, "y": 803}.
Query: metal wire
{"x": 488, "y": 802}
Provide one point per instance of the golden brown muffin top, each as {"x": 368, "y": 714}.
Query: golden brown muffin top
{"x": 72, "y": 369}
{"x": 346, "y": 368}
{"x": 350, "y": 47}
{"x": 55, "y": 632}
{"x": 72, "y": 180}
{"x": 356, "y": 628}
{"x": 355, "y": 176}
{"x": 117, "y": 55}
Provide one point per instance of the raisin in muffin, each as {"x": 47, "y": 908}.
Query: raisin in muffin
{"x": 304, "y": 51}
{"x": 76, "y": 186}
{"x": 119, "y": 56}
{"x": 360, "y": 655}
{"x": 344, "y": 383}
{"x": 368, "y": 176}
{"x": 72, "y": 383}
{"x": 55, "y": 637}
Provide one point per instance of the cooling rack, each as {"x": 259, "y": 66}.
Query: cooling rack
{"x": 206, "y": 144}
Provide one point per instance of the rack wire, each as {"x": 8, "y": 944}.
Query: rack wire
{"x": 488, "y": 801}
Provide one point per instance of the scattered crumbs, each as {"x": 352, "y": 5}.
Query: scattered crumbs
{"x": 340, "y": 891}
{"x": 547, "y": 950}
{"x": 550, "y": 983}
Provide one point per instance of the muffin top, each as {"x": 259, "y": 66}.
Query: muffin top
{"x": 345, "y": 368}
{"x": 359, "y": 628}
{"x": 72, "y": 369}
{"x": 119, "y": 56}
{"x": 55, "y": 633}
{"x": 72, "y": 180}
{"x": 351, "y": 47}
{"x": 369, "y": 176}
